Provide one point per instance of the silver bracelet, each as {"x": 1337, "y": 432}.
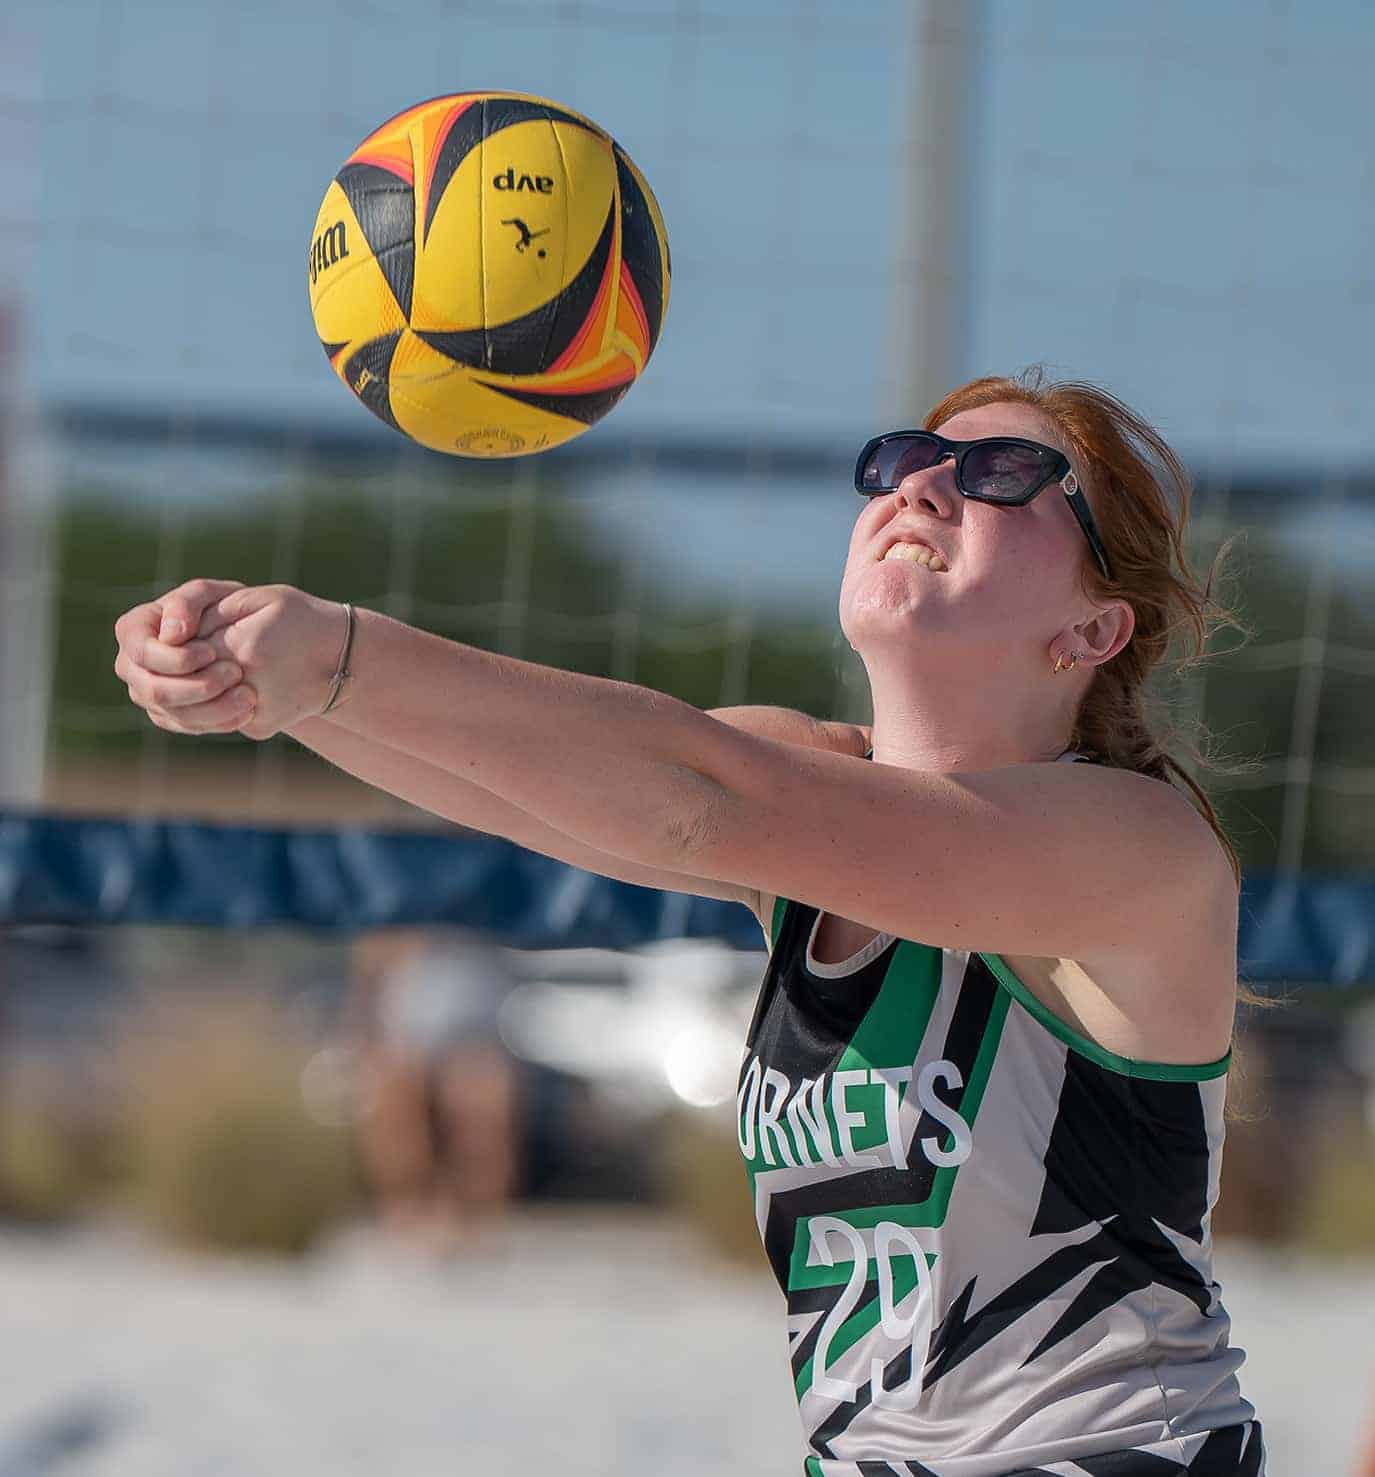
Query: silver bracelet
{"x": 342, "y": 673}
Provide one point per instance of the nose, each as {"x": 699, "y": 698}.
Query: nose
{"x": 932, "y": 488}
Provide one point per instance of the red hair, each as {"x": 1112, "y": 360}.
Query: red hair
{"x": 1140, "y": 494}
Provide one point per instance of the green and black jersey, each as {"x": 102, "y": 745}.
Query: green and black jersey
{"x": 993, "y": 1234}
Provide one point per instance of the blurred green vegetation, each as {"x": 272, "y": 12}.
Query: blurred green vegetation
{"x": 699, "y": 1178}
{"x": 1251, "y": 704}
{"x": 336, "y": 537}
{"x": 207, "y": 1142}
{"x": 1338, "y": 1215}
{"x": 342, "y": 534}
{"x": 43, "y": 1178}
{"x": 219, "y": 1148}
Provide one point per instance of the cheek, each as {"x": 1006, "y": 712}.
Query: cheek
{"x": 862, "y": 537}
{"x": 871, "y": 519}
{"x": 853, "y": 574}
{"x": 1027, "y": 569}
{"x": 1014, "y": 541}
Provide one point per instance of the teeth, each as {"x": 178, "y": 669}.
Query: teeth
{"x": 918, "y": 554}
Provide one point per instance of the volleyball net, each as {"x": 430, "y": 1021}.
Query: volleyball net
{"x": 167, "y": 413}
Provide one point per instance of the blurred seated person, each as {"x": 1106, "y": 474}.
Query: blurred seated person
{"x": 440, "y": 1126}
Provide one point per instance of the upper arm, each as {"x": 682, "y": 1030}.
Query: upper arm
{"x": 536, "y": 835}
{"x": 1054, "y": 860}
{"x": 785, "y": 725}
{"x": 440, "y": 792}
{"x": 548, "y": 842}
{"x": 443, "y": 793}
{"x": 789, "y": 726}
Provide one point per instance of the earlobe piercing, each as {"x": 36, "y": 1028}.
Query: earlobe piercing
{"x": 1060, "y": 665}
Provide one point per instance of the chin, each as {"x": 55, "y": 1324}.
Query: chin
{"x": 885, "y": 625}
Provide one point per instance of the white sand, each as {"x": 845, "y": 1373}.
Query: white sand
{"x": 560, "y": 1344}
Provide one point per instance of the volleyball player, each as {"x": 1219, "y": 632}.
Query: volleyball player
{"x": 981, "y": 1101}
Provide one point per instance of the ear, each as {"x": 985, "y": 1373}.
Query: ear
{"x": 1105, "y": 633}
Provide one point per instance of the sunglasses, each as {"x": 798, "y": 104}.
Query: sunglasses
{"x": 994, "y": 469}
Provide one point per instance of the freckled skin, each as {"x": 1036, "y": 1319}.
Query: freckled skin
{"x": 1013, "y": 577}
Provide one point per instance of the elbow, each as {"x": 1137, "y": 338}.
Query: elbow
{"x": 693, "y": 827}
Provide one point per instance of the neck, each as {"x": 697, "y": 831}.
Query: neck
{"x": 948, "y": 723}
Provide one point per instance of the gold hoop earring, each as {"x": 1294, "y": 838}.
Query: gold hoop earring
{"x": 1060, "y": 665}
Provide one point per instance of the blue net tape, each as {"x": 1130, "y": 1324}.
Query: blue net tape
{"x": 61, "y": 869}
{"x": 68, "y": 870}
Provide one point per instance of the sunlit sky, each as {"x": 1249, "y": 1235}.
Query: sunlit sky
{"x": 1177, "y": 201}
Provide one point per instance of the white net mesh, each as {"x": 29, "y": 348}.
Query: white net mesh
{"x": 1183, "y": 223}
{"x": 867, "y": 203}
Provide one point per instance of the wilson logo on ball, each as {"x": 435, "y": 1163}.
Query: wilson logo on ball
{"x": 541, "y": 184}
{"x": 328, "y": 247}
{"x": 484, "y": 326}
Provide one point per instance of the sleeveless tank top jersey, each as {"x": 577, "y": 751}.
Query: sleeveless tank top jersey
{"x": 992, "y": 1233}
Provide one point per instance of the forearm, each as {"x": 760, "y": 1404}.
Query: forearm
{"x": 418, "y": 783}
{"x": 434, "y": 790}
{"x": 443, "y": 793}
{"x": 622, "y": 768}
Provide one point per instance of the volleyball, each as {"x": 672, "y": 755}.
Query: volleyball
{"x": 488, "y": 273}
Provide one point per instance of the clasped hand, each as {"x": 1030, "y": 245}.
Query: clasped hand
{"x": 218, "y": 656}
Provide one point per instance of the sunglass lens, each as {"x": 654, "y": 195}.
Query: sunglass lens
{"x": 1000, "y": 469}
{"x": 897, "y": 458}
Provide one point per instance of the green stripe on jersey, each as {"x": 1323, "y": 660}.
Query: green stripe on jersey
{"x": 891, "y": 1032}
{"x": 780, "y": 906}
{"x": 1125, "y": 1066}
{"x": 928, "y": 1212}
{"x": 890, "y": 1035}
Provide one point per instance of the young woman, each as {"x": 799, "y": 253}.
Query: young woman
{"x": 981, "y": 1103}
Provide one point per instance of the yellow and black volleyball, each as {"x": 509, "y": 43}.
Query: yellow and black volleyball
{"x": 489, "y": 273}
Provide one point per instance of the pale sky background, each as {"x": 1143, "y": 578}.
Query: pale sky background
{"x": 1174, "y": 200}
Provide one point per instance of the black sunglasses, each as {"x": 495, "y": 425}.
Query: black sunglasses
{"x": 994, "y": 469}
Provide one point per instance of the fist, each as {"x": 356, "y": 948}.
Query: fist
{"x": 182, "y": 682}
{"x": 286, "y": 643}
{"x": 215, "y": 656}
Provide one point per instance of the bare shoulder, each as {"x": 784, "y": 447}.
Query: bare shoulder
{"x": 1169, "y": 995}
{"x": 1110, "y": 884}
{"x": 1177, "y": 1005}
{"x": 1199, "y": 896}
{"x": 1178, "y": 830}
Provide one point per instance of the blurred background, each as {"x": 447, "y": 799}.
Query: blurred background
{"x": 335, "y": 1137}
